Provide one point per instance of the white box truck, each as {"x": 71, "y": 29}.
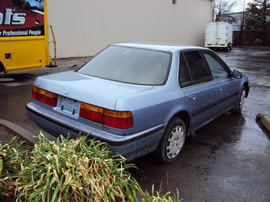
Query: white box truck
{"x": 219, "y": 35}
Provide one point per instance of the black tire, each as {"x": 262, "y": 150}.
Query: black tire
{"x": 2, "y": 68}
{"x": 171, "y": 131}
{"x": 240, "y": 102}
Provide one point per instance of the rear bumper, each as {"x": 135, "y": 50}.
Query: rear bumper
{"x": 131, "y": 146}
{"x": 216, "y": 45}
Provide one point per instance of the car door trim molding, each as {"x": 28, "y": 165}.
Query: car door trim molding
{"x": 205, "y": 108}
{"x": 226, "y": 98}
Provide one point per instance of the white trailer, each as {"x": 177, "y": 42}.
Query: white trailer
{"x": 219, "y": 35}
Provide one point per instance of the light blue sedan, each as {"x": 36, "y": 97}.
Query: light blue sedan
{"x": 139, "y": 97}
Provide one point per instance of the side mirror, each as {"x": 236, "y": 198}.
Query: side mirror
{"x": 236, "y": 74}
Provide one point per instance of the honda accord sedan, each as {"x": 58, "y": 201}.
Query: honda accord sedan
{"x": 139, "y": 97}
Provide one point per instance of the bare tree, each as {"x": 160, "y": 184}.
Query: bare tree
{"x": 222, "y": 7}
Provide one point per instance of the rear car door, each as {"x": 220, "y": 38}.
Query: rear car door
{"x": 195, "y": 81}
{"x": 226, "y": 86}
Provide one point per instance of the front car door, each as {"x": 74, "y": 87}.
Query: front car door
{"x": 227, "y": 88}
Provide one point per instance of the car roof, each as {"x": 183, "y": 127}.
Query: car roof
{"x": 167, "y": 47}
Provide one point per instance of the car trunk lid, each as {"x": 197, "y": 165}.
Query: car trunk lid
{"x": 83, "y": 88}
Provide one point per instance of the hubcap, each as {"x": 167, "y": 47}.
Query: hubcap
{"x": 242, "y": 100}
{"x": 175, "y": 142}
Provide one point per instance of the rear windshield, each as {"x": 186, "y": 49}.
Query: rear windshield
{"x": 129, "y": 65}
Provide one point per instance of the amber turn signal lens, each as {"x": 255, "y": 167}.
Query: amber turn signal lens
{"x": 92, "y": 108}
{"x": 117, "y": 114}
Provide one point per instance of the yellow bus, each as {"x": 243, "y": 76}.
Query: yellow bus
{"x": 24, "y": 40}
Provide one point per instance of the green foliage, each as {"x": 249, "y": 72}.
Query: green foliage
{"x": 155, "y": 196}
{"x": 69, "y": 170}
{"x": 256, "y": 14}
{"x": 75, "y": 170}
{"x": 11, "y": 155}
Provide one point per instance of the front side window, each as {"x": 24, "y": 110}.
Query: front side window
{"x": 216, "y": 68}
{"x": 198, "y": 68}
{"x": 130, "y": 65}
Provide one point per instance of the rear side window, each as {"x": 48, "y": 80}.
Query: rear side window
{"x": 198, "y": 68}
{"x": 184, "y": 74}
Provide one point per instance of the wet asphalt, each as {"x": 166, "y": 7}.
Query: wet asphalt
{"x": 229, "y": 160}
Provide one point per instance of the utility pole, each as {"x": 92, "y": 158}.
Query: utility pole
{"x": 242, "y": 24}
{"x": 264, "y": 22}
{"x": 243, "y": 20}
{"x": 214, "y": 6}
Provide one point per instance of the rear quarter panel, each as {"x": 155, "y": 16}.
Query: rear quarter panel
{"x": 152, "y": 108}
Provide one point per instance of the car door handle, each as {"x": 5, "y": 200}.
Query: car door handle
{"x": 220, "y": 89}
{"x": 192, "y": 98}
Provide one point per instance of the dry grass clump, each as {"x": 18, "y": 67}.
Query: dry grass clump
{"x": 11, "y": 156}
{"x": 75, "y": 170}
{"x": 155, "y": 196}
{"x": 69, "y": 170}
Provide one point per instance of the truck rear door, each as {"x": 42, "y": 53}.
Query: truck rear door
{"x": 222, "y": 34}
{"x": 210, "y": 34}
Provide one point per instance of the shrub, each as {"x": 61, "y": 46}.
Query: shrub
{"x": 75, "y": 170}
{"x": 11, "y": 155}
{"x": 155, "y": 196}
{"x": 69, "y": 170}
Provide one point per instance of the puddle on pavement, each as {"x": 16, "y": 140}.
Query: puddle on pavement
{"x": 16, "y": 79}
{"x": 6, "y": 80}
{"x": 253, "y": 142}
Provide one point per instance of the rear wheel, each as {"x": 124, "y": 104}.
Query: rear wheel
{"x": 172, "y": 141}
{"x": 2, "y": 68}
{"x": 226, "y": 49}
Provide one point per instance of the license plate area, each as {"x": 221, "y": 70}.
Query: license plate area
{"x": 68, "y": 106}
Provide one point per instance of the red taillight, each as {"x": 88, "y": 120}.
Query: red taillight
{"x": 44, "y": 96}
{"x": 91, "y": 112}
{"x": 93, "y": 116}
{"x": 35, "y": 94}
{"x": 51, "y": 101}
{"x": 115, "y": 119}
{"x": 118, "y": 123}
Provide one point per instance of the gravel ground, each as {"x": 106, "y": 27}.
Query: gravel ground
{"x": 6, "y": 134}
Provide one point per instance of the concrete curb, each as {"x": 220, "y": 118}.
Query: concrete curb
{"x": 25, "y": 134}
{"x": 264, "y": 120}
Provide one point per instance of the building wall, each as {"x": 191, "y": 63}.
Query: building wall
{"x": 83, "y": 28}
